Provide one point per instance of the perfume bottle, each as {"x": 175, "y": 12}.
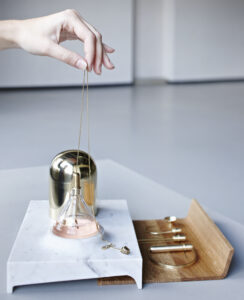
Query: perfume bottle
{"x": 75, "y": 220}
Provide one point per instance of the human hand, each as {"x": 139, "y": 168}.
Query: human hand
{"x": 42, "y": 36}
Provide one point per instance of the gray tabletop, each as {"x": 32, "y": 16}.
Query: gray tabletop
{"x": 146, "y": 199}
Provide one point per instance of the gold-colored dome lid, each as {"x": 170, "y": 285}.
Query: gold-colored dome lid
{"x": 64, "y": 165}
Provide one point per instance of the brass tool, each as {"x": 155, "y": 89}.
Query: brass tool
{"x": 171, "y": 248}
{"x": 175, "y": 238}
{"x": 173, "y": 230}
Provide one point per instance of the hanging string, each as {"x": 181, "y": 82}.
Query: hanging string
{"x": 90, "y": 187}
{"x": 88, "y": 129}
{"x": 85, "y": 79}
{"x": 85, "y": 82}
{"x": 81, "y": 118}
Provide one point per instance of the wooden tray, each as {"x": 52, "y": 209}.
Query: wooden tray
{"x": 213, "y": 250}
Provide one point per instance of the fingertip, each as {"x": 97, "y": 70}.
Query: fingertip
{"x": 81, "y": 64}
{"x": 97, "y": 71}
{"x": 110, "y": 67}
{"x": 107, "y": 63}
{"x": 108, "y": 49}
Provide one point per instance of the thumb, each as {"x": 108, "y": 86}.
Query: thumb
{"x": 69, "y": 57}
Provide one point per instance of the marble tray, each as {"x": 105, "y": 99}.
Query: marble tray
{"x": 38, "y": 256}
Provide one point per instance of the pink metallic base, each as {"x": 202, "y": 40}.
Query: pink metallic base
{"x": 83, "y": 229}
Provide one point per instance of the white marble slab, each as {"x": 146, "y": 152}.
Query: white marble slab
{"x": 38, "y": 256}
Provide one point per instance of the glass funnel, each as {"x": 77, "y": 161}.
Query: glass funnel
{"x": 75, "y": 220}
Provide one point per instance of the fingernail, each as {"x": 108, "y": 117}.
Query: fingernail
{"x": 111, "y": 48}
{"x": 97, "y": 69}
{"x": 113, "y": 66}
{"x": 81, "y": 64}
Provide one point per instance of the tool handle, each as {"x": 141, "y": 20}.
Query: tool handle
{"x": 171, "y": 248}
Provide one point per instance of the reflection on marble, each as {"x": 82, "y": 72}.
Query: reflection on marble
{"x": 38, "y": 256}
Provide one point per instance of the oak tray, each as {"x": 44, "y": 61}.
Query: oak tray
{"x": 213, "y": 250}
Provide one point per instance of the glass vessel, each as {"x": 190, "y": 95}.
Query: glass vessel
{"x": 75, "y": 219}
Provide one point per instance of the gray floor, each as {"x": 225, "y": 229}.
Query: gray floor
{"x": 187, "y": 137}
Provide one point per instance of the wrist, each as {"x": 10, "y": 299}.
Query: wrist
{"x": 9, "y": 32}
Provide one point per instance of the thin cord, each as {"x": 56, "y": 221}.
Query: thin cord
{"x": 90, "y": 194}
{"x": 81, "y": 118}
{"x": 88, "y": 127}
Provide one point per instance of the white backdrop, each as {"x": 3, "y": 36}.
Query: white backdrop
{"x": 113, "y": 18}
{"x": 189, "y": 40}
{"x": 206, "y": 40}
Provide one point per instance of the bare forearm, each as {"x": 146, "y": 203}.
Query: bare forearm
{"x": 9, "y": 31}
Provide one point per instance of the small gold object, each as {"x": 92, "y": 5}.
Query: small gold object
{"x": 175, "y": 238}
{"x": 171, "y": 220}
{"x": 173, "y": 230}
{"x": 125, "y": 250}
{"x": 105, "y": 247}
{"x": 170, "y": 248}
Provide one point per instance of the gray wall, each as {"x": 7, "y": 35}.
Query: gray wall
{"x": 181, "y": 40}
{"x": 148, "y": 39}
